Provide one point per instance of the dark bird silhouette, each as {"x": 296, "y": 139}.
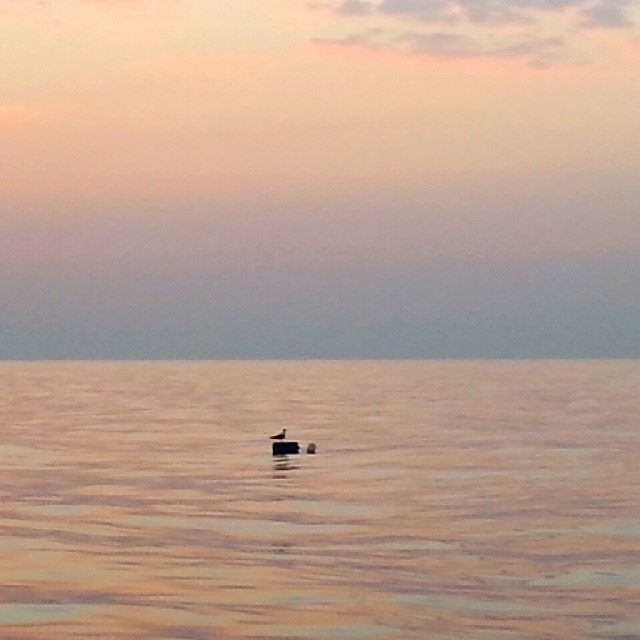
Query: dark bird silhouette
{"x": 279, "y": 436}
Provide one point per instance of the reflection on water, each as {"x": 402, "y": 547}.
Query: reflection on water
{"x": 481, "y": 500}
{"x": 282, "y": 464}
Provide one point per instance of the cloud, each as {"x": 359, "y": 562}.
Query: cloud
{"x": 448, "y": 11}
{"x": 356, "y": 8}
{"x": 608, "y": 14}
{"x": 535, "y": 51}
{"x": 534, "y": 32}
{"x": 600, "y": 13}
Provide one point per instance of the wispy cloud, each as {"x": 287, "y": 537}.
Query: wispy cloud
{"x": 534, "y": 32}
{"x": 356, "y": 8}
{"x": 535, "y": 51}
{"x": 608, "y": 14}
{"x": 600, "y": 13}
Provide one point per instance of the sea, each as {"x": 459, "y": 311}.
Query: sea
{"x": 447, "y": 500}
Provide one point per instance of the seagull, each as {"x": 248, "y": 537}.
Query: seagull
{"x": 279, "y": 436}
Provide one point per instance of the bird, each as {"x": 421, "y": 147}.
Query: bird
{"x": 279, "y": 436}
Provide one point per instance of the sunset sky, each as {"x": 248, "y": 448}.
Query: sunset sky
{"x": 319, "y": 178}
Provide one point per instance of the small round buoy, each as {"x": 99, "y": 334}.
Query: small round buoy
{"x": 311, "y": 448}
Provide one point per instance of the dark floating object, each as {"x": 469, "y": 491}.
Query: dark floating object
{"x": 311, "y": 448}
{"x": 284, "y": 448}
{"x": 279, "y": 436}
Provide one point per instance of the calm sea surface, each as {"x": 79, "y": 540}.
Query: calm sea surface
{"x": 480, "y": 500}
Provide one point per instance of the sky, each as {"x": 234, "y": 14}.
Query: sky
{"x": 319, "y": 179}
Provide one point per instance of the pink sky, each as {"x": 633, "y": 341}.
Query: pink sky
{"x": 202, "y": 135}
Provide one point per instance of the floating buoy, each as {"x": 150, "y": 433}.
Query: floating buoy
{"x": 283, "y": 448}
{"x": 311, "y": 448}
